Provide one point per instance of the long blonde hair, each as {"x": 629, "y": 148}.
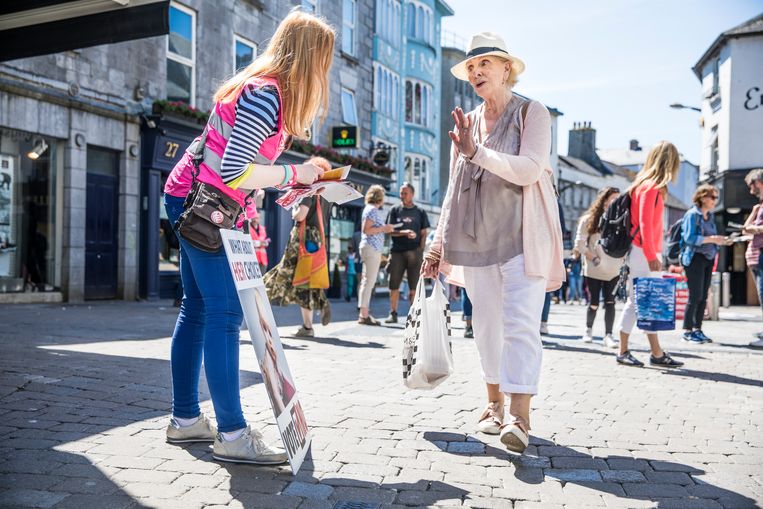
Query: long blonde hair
{"x": 660, "y": 168}
{"x": 298, "y": 56}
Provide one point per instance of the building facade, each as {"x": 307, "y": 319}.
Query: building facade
{"x": 90, "y": 135}
{"x": 731, "y": 78}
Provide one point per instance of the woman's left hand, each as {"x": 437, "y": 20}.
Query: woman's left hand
{"x": 463, "y": 134}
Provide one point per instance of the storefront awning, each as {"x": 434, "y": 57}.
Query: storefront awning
{"x": 40, "y": 27}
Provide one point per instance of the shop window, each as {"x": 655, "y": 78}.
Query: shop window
{"x": 244, "y": 52}
{"x": 181, "y": 55}
{"x": 29, "y": 234}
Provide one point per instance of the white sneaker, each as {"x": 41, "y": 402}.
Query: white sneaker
{"x": 200, "y": 431}
{"x": 588, "y": 335}
{"x": 514, "y": 438}
{"x": 758, "y": 343}
{"x": 248, "y": 448}
{"x": 544, "y": 328}
{"x": 610, "y": 342}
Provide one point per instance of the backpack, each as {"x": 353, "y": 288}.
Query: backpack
{"x": 676, "y": 242}
{"x": 615, "y": 226}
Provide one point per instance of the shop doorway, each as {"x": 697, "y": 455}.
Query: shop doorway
{"x": 101, "y": 220}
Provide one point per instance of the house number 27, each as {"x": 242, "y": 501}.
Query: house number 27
{"x": 172, "y": 149}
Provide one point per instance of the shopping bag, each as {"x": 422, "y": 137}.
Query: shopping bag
{"x": 427, "y": 351}
{"x": 655, "y": 303}
{"x": 312, "y": 264}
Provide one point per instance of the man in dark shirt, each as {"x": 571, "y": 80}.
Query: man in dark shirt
{"x": 407, "y": 246}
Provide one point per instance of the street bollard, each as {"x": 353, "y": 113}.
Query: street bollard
{"x": 715, "y": 286}
{"x": 726, "y": 287}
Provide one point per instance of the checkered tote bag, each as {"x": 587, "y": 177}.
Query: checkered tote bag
{"x": 427, "y": 351}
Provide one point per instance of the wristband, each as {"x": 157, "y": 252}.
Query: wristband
{"x": 293, "y": 178}
{"x": 288, "y": 174}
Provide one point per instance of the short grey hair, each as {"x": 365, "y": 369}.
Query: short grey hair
{"x": 755, "y": 175}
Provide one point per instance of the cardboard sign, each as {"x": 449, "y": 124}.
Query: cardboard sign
{"x": 279, "y": 383}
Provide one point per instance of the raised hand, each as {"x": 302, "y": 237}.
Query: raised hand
{"x": 463, "y": 133}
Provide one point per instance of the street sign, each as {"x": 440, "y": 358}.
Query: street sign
{"x": 344, "y": 136}
{"x": 279, "y": 383}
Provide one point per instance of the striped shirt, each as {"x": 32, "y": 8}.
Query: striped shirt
{"x": 257, "y": 112}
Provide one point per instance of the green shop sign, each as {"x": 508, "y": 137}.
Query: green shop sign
{"x": 344, "y": 136}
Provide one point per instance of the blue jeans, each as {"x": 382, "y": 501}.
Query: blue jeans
{"x": 207, "y": 327}
{"x": 466, "y": 305}
{"x": 546, "y": 307}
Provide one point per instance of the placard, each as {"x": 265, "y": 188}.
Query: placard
{"x": 279, "y": 383}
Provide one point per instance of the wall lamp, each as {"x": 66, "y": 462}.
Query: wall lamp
{"x": 40, "y": 147}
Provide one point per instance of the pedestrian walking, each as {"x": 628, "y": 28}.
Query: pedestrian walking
{"x": 407, "y": 251}
{"x": 754, "y": 226}
{"x": 466, "y": 306}
{"x": 254, "y": 114}
{"x": 311, "y": 216}
{"x": 600, "y": 270}
{"x": 351, "y": 271}
{"x": 700, "y": 247}
{"x": 371, "y": 245}
{"x": 647, "y": 195}
{"x": 575, "y": 279}
{"x": 500, "y": 222}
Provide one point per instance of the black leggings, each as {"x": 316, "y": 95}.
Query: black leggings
{"x": 595, "y": 287}
{"x": 698, "y": 274}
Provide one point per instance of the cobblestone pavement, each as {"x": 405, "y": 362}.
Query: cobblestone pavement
{"x": 84, "y": 400}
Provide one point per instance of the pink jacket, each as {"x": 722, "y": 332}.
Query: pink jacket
{"x": 531, "y": 169}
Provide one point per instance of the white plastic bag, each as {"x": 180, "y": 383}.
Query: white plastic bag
{"x": 427, "y": 352}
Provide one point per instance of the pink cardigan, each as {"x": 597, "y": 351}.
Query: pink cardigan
{"x": 531, "y": 169}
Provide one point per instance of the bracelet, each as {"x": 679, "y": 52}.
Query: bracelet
{"x": 287, "y": 175}
{"x": 293, "y": 178}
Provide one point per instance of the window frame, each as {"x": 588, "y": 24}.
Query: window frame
{"x": 351, "y": 93}
{"x": 422, "y": 22}
{"x": 422, "y": 106}
{"x": 346, "y": 26}
{"x": 181, "y": 59}
{"x": 312, "y": 4}
{"x": 238, "y": 38}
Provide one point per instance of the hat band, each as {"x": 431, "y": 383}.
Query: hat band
{"x": 484, "y": 49}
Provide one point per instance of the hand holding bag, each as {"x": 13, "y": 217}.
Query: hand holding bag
{"x": 427, "y": 351}
{"x": 312, "y": 267}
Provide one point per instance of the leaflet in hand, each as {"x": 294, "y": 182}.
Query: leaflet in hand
{"x": 333, "y": 185}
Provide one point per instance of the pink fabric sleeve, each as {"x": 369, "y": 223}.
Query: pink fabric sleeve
{"x": 647, "y": 199}
{"x": 526, "y": 167}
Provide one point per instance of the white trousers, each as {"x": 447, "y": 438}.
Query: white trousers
{"x": 506, "y": 318}
{"x": 638, "y": 267}
{"x": 371, "y": 259}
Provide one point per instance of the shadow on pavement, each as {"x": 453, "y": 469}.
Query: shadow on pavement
{"x": 716, "y": 377}
{"x": 668, "y": 484}
{"x": 334, "y": 341}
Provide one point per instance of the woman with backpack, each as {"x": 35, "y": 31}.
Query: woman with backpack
{"x": 600, "y": 270}
{"x": 647, "y": 204}
{"x": 699, "y": 246}
{"x": 255, "y": 113}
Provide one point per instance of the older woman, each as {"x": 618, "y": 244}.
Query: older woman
{"x": 500, "y": 222}
{"x": 373, "y": 228}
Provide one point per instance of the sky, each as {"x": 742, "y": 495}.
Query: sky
{"x": 618, "y": 64}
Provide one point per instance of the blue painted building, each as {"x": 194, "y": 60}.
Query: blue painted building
{"x": 405, "y": 123}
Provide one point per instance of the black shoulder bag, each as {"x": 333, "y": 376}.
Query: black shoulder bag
{"x": 206, "y": 210}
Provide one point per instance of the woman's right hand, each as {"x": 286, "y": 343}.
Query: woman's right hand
{"x": 308, "y": 173}
{"x": 430, "y": 268}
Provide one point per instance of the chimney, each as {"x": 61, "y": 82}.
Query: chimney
{"x": 634, "y": 145}
{"x": 582, "y": 145}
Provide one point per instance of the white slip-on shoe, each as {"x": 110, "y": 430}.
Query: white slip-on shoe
{"x": 200, "y": 431}
{"x": 491, "y": 419}
{"x": 588, "y": 336}
{"x": 515, "y": 436}
{"x": 248, "y": 448}
{"x": 610, "y": 342}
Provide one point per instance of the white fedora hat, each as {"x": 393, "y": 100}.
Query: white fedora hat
{"x": 484, "y": 44}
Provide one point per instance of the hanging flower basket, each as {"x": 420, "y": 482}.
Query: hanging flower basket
{"x": 180, "y": 109}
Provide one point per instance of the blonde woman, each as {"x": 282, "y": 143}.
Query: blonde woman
{"x": 500, "y": 221}
{"x": 254, "y": 114}
{"x": 648, "y": 193}
{"x": 373, "y": 228}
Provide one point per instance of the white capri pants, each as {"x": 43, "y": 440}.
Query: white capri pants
{"x": 638, "y": 267}
{"x": 506, "y": 319}
{"x": 371, "y": 259}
